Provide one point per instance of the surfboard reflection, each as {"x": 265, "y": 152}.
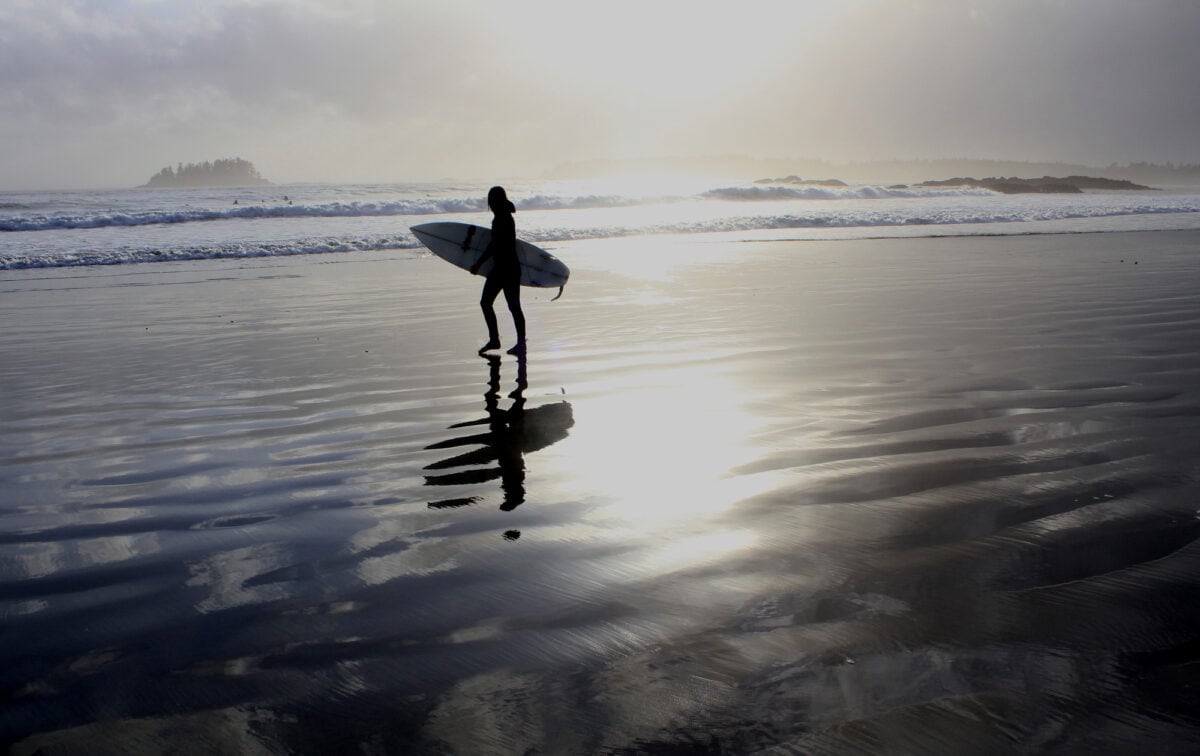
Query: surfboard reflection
{"x": 507, "y": 436}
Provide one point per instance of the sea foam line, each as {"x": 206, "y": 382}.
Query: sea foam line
{"x": 131, "y": 256}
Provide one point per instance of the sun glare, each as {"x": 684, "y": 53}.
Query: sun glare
{"x": 654, "y": 457}
{"x": 660, "y": 452}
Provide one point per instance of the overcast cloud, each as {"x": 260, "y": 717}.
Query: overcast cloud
{"x": 106, "y": 93}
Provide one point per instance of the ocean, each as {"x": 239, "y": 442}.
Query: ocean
{"x": 53, "y": 229}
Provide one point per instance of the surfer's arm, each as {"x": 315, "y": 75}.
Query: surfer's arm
{"x": 487, "y": 252}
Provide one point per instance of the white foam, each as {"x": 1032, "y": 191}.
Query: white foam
{"x": 132, "y": 255}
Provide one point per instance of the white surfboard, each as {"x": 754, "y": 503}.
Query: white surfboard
{"x": 461, "y": 244}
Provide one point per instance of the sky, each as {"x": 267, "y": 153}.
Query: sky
{"x": 104, "y": 93}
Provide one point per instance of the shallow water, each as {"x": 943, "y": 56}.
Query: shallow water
{"x": 908, "y": 495}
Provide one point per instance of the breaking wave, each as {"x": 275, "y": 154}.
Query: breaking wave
{"x": 208, "y": 252}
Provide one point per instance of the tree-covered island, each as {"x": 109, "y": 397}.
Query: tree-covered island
{"x": 225, "y": 172}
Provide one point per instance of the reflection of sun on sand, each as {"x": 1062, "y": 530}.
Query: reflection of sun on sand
{"x": 661, "y": 447}
{"x": 494, "y": 446}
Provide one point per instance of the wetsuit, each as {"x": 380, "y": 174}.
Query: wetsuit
{"x": 505, "y": 275}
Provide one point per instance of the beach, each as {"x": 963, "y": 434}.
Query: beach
{"x": 906, "y": 495}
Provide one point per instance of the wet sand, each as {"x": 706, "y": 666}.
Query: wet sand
{"x": 903, "y": 496}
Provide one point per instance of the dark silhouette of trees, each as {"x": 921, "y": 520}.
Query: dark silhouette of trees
{"x": 225, "y": 172}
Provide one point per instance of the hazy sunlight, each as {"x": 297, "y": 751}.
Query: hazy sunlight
{"x": 661, "y": 451}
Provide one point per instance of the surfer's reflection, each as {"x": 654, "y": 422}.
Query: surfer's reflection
{"x": 510, "y": 434}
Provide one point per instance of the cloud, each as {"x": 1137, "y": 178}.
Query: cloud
{"x": 1078, "y": 80}
{"x": 98, "y": 93}
{"x": 197, "y": 81}
{"x": 262, "y": 57}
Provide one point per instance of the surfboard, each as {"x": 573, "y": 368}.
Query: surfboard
{"x": 462, "y": 244}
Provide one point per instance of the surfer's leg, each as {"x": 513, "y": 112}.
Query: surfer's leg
{"x": 491, "y": 288}
{"x": 512, "y": 295}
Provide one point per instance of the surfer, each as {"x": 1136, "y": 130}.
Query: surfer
{"x": 506, "y": 271}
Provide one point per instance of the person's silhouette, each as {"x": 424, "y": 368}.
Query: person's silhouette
{"x": 508, "y": 428}
{"x": 502, "y": 444}
{"x": 500, "y": 450}
{"x": 505, "y": 274}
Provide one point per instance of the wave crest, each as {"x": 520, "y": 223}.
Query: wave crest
{"x": 211, "y": 252}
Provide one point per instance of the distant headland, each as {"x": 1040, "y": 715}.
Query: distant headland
{"x": 225, "y": 172}
{"x": 1043, "y": 185}
{"x": 1003, "y": 185}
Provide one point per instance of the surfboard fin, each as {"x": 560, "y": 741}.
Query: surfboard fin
{"x": 560, "y": 291}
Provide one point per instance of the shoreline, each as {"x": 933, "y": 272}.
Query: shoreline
{"x": 932, "y": 493}
{"x": 323, "y": 220}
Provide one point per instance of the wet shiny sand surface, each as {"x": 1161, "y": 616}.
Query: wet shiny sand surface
{"x": 913, "y": 496}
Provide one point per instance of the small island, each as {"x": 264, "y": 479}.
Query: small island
{"x": 225, "y": 172}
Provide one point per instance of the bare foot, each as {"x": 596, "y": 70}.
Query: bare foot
{"x": 518, "y": 349}
{"x": 493, "y": 344}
